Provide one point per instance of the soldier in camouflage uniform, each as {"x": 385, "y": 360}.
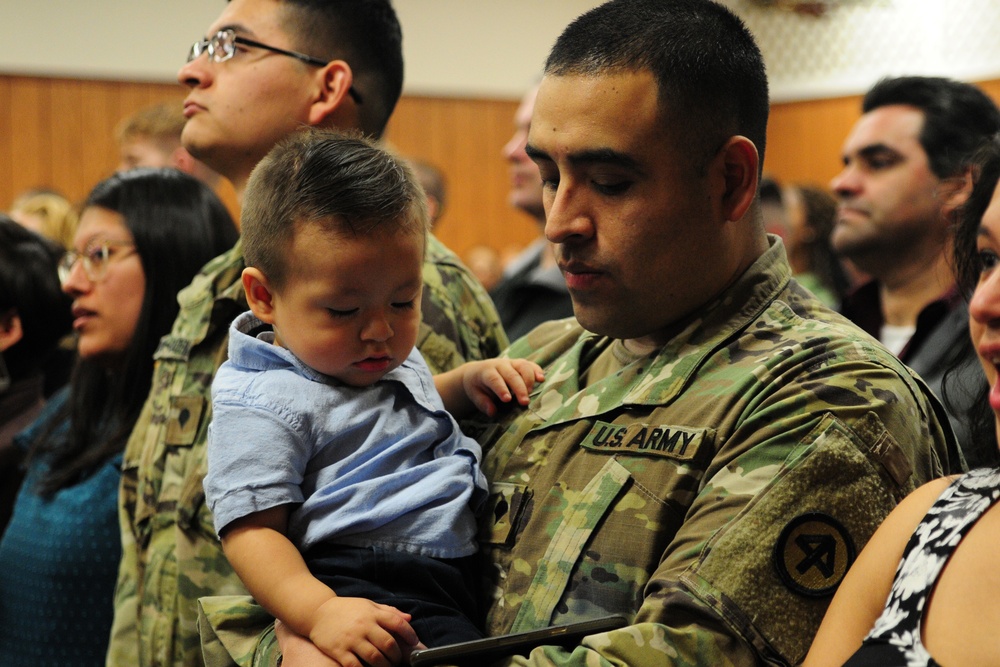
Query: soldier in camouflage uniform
{"x": 711, "y": 446}
{"x": 171, "y": 556}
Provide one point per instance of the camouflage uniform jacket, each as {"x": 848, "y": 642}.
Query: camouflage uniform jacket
{"x": 171, "y": 556}
{"x": 714, "y": 492}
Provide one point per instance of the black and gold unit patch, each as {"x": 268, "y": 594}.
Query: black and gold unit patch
{"x": 652, "y": 440}
{"x": 184, "y": 418}
{"x": 813, "y": 553}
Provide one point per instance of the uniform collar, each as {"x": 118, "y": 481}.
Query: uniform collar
{"x": 660, "y": 377}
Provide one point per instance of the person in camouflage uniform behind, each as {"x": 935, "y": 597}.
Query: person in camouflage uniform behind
{"x": 711, "y": 446}
{"x": 244, "y": 98}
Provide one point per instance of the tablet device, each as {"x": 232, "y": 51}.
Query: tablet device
{"x": 518, "y": 643}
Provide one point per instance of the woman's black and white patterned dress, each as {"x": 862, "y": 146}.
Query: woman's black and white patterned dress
{"x": 895, "y": 639}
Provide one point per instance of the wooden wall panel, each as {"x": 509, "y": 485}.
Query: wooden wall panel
{"x": 6, "y": 131}
{"x": 804, "y": 139}
{"x": 463, "y": 138}
{"x": 29, "y": 143}
{"x": 59, "y": 133}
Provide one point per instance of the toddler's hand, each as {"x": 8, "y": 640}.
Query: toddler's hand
{"x": 503, "y": 379}
{"x": 355, "y": 632}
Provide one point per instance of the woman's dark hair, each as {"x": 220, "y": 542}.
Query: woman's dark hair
{"x": 985, "y": 174}
{"x": 29, "y": 286}
{"x": 177, "y": 224}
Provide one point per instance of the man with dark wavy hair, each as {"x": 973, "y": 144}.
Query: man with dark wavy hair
{"x": 906, "y": 167}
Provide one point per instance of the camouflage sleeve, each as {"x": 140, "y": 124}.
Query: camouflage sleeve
{"x": 268, "y": 654}
{"x": 170, "y": 555}
{"x": 236, "y": 631}
{"x": 460, "y": 322}
{"x": 123, "y": 648}
{"x": 231, "y": 627}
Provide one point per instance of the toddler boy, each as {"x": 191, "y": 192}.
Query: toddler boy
{"x": 342, "y": 489}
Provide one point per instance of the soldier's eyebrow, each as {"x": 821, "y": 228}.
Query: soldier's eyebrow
{"x": 877, "y": 149}
{"x": 590, "y": 156}
{"x": 603, "y": 156}
{"x": 536, "y": 153}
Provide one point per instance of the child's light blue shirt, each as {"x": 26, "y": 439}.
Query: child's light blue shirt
{"x": 382, "y": 465}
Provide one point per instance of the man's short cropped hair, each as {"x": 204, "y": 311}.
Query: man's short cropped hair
{"x": 162, "y": 122}
{"x": 367, "y": 36}
{"x": 340, "y": 181}
{"x": 958, "y": 117}
{"x": 711, "y": 76}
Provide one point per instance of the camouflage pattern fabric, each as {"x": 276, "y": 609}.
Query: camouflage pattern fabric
{"x": 715, "y": 491}
{"x": 171, "y": 555}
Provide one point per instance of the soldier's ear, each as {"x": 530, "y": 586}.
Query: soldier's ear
{"x": 332, "y": 103}
{"x": 741, "y": 163}
{"x": 260, "y": 296}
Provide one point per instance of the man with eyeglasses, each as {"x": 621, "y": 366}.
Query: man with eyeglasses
{"x": 266, "y": 69}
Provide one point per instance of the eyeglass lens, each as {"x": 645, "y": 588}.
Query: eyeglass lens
{"x": 95, "y": 261}
{"x": 220, "y": 46}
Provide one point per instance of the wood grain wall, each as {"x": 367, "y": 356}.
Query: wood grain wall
{"x": 59, "y": 133}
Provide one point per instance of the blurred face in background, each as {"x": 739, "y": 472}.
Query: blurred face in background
{"x": 32, "y": 221}
{"x": 525, "y": 183}
{"x": 107, "y": 283}
{"x": 887, "y": 194}
{"x": 139, "y": 151}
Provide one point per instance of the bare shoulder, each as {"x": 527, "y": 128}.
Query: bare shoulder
{"x": 890, "y": 540}
{"x": 913, "y": 508}
{"x": 885, "y": 549}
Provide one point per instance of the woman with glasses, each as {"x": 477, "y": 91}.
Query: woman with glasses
{"x": 143, "y": 235}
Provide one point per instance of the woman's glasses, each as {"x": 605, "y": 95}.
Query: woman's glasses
{"x": 95, "y": 258}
